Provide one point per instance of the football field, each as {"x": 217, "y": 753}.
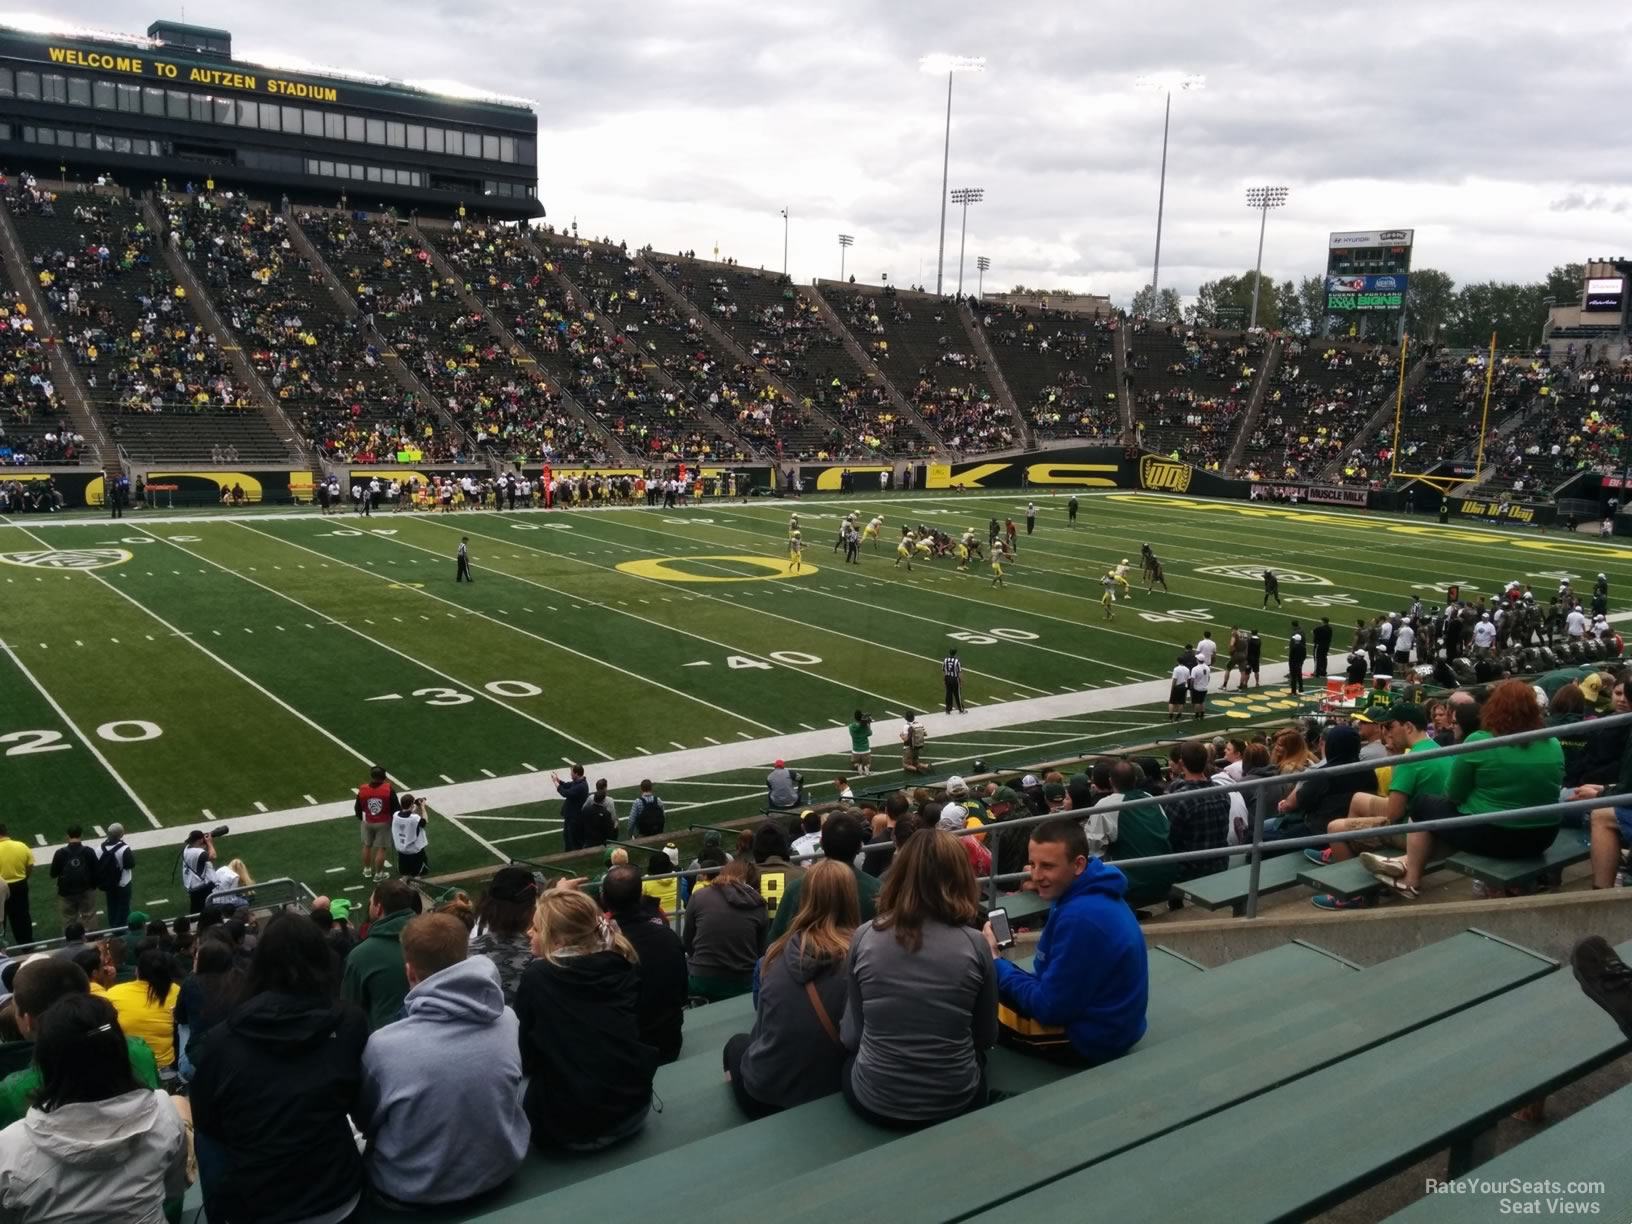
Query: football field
{"x": 170, "y": 671}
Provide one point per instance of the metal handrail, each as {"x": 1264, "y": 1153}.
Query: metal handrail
{"x": 1254, "y": 849}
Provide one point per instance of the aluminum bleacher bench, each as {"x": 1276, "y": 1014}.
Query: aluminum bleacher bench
{"x": 1445, "y": 1085}
{"x": 613, "y": 1185}
{"x": 1053, "y": 1132}
{"x": 1213, "y": 892}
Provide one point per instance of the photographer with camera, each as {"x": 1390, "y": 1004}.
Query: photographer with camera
{"x": 861, "y": 743}
{"x": 408, "y": 836}
{"x": 197, "y": 875}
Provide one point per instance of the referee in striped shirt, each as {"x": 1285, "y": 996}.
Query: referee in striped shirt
{"x": 952, "y": 673}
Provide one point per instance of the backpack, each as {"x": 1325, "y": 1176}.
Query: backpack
{"x": 78, "y": 871}
{"x": 650, "y": 821}
{"x": 110, "y": 866}
{"x": 917, "y": 735}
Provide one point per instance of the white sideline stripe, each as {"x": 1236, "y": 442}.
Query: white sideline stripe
{"x": 80, "y": 735}
{"x": 490, "y": 794}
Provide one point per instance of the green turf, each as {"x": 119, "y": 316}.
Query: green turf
{"x": 280, "y": 655}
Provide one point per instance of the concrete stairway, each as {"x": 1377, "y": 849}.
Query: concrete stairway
{"x": 864, "y": 359}
{"x": 1255, "y": 405}
{"x": 983, "y": 350}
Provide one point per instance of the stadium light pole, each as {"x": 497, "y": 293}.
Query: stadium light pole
{"x": 965, "y": 196}
{"x": 1263, "y": 199}
{"x": 951, "y": 65}
{"x": 784, "y": 242}
{"x": 1167, "y": 84}
{"x": 982, "y": 263}
{"x": 845, "y": 243}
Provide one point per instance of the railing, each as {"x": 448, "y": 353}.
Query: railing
{"x": 269, "y": 895}
{"x": 1254, "y": 851}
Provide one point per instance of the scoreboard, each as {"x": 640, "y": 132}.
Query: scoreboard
{"x": 1368, "y": 274}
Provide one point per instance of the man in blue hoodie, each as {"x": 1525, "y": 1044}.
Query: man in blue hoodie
{"x": 442, "y": 1087}
{"x": 1084, "y": 1002}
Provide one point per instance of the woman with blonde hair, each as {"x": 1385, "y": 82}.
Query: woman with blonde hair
{"x": 922, "y": 1003}
{"x": 233, "y": 876}
{"x": 793, "y": 1055}
{"x": 590, "y": 1074}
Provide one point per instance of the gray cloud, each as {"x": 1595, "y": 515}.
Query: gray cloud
{"x": 687, "y": 124}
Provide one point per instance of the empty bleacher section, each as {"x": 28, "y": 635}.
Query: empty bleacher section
{"x": 34, "y": 426}
{"x": 919, "y": 341}
{"x": 1061, "y": 367}
{"x": 786, "y": 335}
{"x": 154, "y": 373}
{"x": 1190, "y": 389}
{"x": 333, "y": 385}
{"x": 714, "y": 405}
{"x": 1317, "y": 402}
{"x": 1576, "y": 422}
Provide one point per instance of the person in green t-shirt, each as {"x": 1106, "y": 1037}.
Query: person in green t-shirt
{"x": 1405, "y": 730}
{"x": 39, "y": 984}
{"x": 861, "y": 743}
{"x": 1140, "y": 831}
{"x": 1500, "y": 779}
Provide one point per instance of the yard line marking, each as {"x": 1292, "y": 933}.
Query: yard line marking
{"x": 490, "y": 773}
{"x": 309, "y": 800}
{"x": 77, "y": 642}
{"x": 40, "y": 838}
{"x": 478, "y": 691}
{"x": 208, "y": 815}
{"x": 333, "y": 870}
{"x": 647, "y": 751}
{"x": 217, "y": 632}
{"x": 711, "y": 739}
{"x": 744, "y": 735}
{"x": 99, "y": 830}
{"x": 353, "y": 888}
{"x": 532, "y": 820}
{"x": 807, "y": 726}
{"x": 259, "y": 806}
{"x": 159, "y": 901}
{"x": 833, "y": 722}
{"x": 678, "y": 745}
{"x": 80, "y": 735}
{"x": 558, "y": 645}
{"x": 529, "y": 768}
{"x": 446, "y": 779}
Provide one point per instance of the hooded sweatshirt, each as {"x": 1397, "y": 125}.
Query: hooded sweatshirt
{"x": 580, "y": 1045}
{"x": 664, "y": 990}
{"x": 726, "y": 926}
{"x": 1090, "y": 974}
{"x": 374, "y": 978}
{"x": 442, "y": 1088}
{"x": 270, "y": 1097}
{"x": 113, "y": 1161}
{"x": 790, "y": 1057}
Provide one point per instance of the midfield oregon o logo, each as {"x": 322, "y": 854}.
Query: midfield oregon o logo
{"x": 68, "y": 558}
{"x": 671, "y": 569}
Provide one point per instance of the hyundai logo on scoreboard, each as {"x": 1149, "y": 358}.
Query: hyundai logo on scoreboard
{"x": 1366, "y": 292}
{"x": 1360, "y": 239}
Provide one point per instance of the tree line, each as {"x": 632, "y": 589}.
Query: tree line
{"x": 1436, "y": 308}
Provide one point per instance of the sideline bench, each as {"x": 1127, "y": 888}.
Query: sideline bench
{"x": 692, "y": 1165}
{"x": 1586, "y": 1146}
{"x": 1460, "y": 1076}
{"x": 1059, "y": 1129}
{"x": 1214, "y": 892}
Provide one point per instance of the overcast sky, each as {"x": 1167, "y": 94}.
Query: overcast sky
{"x": 1497, "y": 129}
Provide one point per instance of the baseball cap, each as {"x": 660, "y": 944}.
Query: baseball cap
{"x": 1377, "y": 714}
{"x": 137, "y": 920}
{"x": 711, "y": 837}
{"x": 955, "y": 784}
{"x": 952, "y": 817}
{"x": 1005, "y": 794}
{"x": 1592, "y": 688}
{"x": 1029, "y": 781}
{"x": 777, "y": 764}
{"x": 509, "y": 884}
{"x": 1053, "y": 790}
{"x": 340, "y": 909}
{"x": 1409, "y": 712}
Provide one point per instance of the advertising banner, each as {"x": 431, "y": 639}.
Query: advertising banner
{"x": 1345, "y": 293}
{"x": 1362, "y": 239}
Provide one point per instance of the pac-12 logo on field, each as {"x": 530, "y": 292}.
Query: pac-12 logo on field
{"x": 68, "y": 558}
{"x": 1165, "y": 475}
{"x": 1255, "y": 573}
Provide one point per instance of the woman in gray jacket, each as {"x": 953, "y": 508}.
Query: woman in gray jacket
{"x": 794, "y": 1055}
{"x": 96, "y": 1145}
{"x": 922, "y": 1010}
{"x": 725, "y": 930}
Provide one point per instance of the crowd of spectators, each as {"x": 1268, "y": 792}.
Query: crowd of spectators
{"x": 1314, "y": 409}
{"x": 320, "y": 364}
{"x": 1191, "y": 389}
{"x": 1443, "y": 416}
{"x": 920, "y": 344}
{"x": 1577, "y": 422}
{"x": 33, "y": 425}
{"x": 1060, "y": 366}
